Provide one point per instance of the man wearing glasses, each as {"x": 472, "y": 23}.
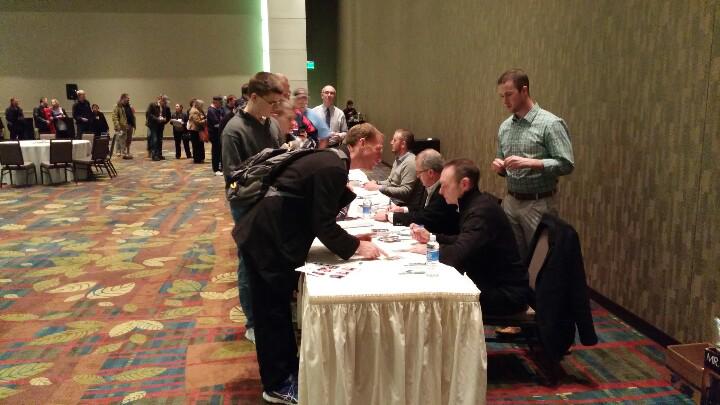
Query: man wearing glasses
{"x": 251, "y": 130}
{"x": 534, "y": 149}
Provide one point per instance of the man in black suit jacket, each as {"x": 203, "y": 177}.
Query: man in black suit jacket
{"x": 275, "y": 237}
{"x": 485, "y": 246}
{"x": 432, "y": 211}
{"x": 157, "y": 115}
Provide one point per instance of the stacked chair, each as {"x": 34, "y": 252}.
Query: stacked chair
{"x": 98, "y": 158}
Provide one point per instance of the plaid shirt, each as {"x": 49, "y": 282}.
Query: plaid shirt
{"x": 538, "y": 135}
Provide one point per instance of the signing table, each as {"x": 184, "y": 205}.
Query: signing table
{"x": 389, "y": 331}
{"x": 38, "y": 151}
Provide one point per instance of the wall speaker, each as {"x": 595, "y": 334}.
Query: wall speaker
{"x": 71, "y": 91}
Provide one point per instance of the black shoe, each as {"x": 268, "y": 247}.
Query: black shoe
{"x": 162, "y": 157}
{"x": 155, "y": 158}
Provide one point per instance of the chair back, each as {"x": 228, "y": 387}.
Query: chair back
{"x": 537, "y": 261}
{"x": 100, "y": 148}
{"x": 11, "y": 154}
{"x": 112, "y": 145}
{"x": 88, "y": 137}
{"x": 47, "y": 137}
{"x": 61, "y": 151}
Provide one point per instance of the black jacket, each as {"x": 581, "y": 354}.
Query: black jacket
{"x": 485, "y": 247}
{"x": 81, "y": 109}
{"x": 214, "y": 119}
{"x": 152, "y": 116}
{"x": 438, "y": 216}
{"x": 561, "y": 296}
{"x": 98, "y": 124}
{"x": 39, "y": 119}
{"x": 278, "y": 231}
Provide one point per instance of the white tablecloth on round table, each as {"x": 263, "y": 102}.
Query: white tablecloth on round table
{"x": 379, "y": 336}
{"x": 38, "y": 151}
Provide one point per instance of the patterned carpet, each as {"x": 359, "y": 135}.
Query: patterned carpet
{"x": 124, "y": 291}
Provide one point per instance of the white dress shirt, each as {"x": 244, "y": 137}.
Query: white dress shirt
{"x": 337, "y": 118}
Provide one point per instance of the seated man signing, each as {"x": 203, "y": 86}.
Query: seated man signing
{"x": 485, "y": 247}
{"x": 399, "y": 184}
{"x": 434, "y": 212}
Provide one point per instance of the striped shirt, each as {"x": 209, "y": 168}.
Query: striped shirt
{"x": 538, "y": 135}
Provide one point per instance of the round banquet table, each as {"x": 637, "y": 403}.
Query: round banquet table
{"x": 38, "y": 151}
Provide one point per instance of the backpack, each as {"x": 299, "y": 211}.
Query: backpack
{"x": 254, "y": 179}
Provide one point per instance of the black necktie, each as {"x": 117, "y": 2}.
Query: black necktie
{"x": 327, "y": 116}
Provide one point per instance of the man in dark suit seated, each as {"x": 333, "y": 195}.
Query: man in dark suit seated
{"x": 485, "y": 246}
{"x": 432, "y": 210}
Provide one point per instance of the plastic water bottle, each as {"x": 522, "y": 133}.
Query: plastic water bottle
{"x": 433, "y": 256}
{"x": 367, "y": 208}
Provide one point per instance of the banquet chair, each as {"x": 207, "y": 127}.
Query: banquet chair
{"x": 47, "y": 137}
{"x": 98, "y": 157}
{"x": 11, "y": 158}
{"x": 527, "y": 320}
{"x": 60, "y": 158}
{"x": 112, "y": 150}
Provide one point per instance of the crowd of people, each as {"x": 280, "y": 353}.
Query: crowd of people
{"x": 192, "y": 128}
{"x": 477, "y": 235}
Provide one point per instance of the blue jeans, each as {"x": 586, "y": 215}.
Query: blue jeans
{"x": 237, "y": 213}
{"x": 156, "y": 138}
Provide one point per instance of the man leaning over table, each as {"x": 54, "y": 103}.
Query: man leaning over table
{"x": 434, "y": 212}
{"x": 399, "y": 184}
{"x": 275, "y": 237}
{"x": 485, "y": 247}
{"x": 534, "y": 149}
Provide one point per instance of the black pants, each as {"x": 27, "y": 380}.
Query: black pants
{"x": 156, "y": 139}
{"x": 82, "y": 127}
{"x": 198, "y": 147}
{"x": 178, "y": 135}
{"x": 504, "y": 301}
{"x": 216, "y": 150}
{"x": 275, "y": 343}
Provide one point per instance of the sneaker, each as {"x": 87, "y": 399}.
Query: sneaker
{"x": 285, "y": 394}
{"x": 218, "y": 173}
{"x": 250, "y": 334}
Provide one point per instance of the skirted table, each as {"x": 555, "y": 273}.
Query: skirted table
{"x": 389, "y": 332}
{"x": 38, "y": 151}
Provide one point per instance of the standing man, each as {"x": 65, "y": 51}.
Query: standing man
{"x": 215, "y": 115}
{"x": 399, "y": 185}
{"x": 317, "y": 130}
{"x": 123, "y": 117}
{"x": 158, "y": 114}
{"x": 15, "y": 119}
{"x": 41, "y": 123}
{"x": 276, "y": 240}
{"x": 334, "y": 117}
{"x": 534, "y": 149}
{"x": 82, "y": 113}
{"x": 248, "y": 132}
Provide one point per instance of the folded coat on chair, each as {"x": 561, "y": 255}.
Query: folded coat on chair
{"x": 561, "y": 293}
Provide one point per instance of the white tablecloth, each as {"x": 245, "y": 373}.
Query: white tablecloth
{"x": 382, "y": 336}
{"x": 38, "y": 151}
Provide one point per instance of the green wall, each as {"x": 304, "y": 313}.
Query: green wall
{"x": 636, "y": 81}
{"x": 184, "y": 49}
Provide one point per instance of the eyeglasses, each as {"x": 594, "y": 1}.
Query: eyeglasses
{"x": 419, "y": 172}
{"x": 272, "y": 103}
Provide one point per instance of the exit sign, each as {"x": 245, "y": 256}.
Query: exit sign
{"x": 310, "y": 65}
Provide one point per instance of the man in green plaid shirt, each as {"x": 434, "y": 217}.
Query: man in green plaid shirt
{"x": 534, "y": 149}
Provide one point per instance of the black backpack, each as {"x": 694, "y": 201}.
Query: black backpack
{"x": 254, "y": 179}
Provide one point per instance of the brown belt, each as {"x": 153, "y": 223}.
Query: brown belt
{"x": 532, "y": 196}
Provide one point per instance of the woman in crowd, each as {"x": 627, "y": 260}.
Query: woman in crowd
{"x": 98, "y": 123}
{"x": 196, "y": 123}
{"x": 179, "y": 120}
{"x": 47, "y": 116}
{"x": 58, "y": 118}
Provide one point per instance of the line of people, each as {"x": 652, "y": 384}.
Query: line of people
{"x": 477, "y": 235}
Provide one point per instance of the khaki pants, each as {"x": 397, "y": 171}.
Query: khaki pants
{"x": 525, "y": 216}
